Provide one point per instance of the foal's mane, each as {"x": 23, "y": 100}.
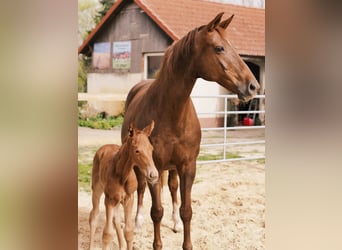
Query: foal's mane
{"x": 122, "y": 158}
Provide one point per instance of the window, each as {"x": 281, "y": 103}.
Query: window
{"x": 152, "y": 62}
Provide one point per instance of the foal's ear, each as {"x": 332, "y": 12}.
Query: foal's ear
{"x": 148, "y": 129}
{"x": 131, "y": 130}
{"x": 224, "y": 24}
{"x": 213, "y": 23}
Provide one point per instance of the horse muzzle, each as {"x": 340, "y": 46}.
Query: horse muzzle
{"x": 152, "y": 175}
{"x": 250, "y": 91}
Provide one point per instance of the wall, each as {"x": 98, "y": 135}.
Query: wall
{"x": 207, "y": 88}
{"x": 111, "y": 83}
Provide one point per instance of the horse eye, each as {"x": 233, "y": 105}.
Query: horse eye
{"x": 137, "y": 151}
{"x": 219, "y": 49}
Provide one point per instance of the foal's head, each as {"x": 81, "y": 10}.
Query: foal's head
{"x": 141, "y": 151}
{"x": 216, "y": 60}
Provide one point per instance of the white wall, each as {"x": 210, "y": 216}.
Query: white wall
{"x": 205, "y": 88}
{"x": 104, "y": 83}
{"x": 110, "y": 83}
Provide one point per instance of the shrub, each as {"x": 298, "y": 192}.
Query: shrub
{"x": 101, "y": 121}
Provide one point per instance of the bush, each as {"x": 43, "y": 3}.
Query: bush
{"x": 100, "y": 121}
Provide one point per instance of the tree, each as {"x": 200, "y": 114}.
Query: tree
{"x": 107, "y": 4}
{"x": 87, "y": 11}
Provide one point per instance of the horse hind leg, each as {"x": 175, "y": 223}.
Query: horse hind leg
{"x": 94, "y": 213}
{"x": 173, "y": 187}
{"x": 140, "y": 193}
{"x": 164, "y": 181}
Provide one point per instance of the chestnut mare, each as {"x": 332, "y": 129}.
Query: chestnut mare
{"x": 204, "y": 52}
{"x": 113, "y": 174}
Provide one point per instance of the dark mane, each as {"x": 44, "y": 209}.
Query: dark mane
{"x": 179, "y": 52}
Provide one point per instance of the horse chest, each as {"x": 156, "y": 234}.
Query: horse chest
{"x": 172, "y": 149}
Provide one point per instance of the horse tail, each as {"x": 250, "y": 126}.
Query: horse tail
{"x": 95, "y": 172}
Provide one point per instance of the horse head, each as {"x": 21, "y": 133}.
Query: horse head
{"x": 141, "y": 151}
{"x": 216, "y": 60}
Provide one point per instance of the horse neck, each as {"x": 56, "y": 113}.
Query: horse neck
{"x": 123, "y": 163}
{"x": 174, "y": 83}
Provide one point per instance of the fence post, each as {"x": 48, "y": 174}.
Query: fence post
{"x": 225, "y": 126}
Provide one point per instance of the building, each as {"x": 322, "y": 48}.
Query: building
{"x": 128, "y": 45}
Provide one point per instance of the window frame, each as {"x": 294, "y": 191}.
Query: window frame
{"x": 146, "y": 55}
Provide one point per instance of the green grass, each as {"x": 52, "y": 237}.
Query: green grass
{"x": 210, "y": 157}
{"x": 261, "y": 161}
{"x": 84, "y": 177}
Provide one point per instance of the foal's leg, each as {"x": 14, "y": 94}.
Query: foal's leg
{"x": 108, "y": 230}
{"x": 94, "y": 213}
{"x": 157, "y": 212}
{"x": 173, "y": 186}
{"x": 129, "y": 226}
{"x": 187, "y": 174}
{"x": 141, "y": 190}
{"x": 117, "y": 224}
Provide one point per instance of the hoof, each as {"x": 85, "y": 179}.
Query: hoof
{"x": 138, "y": 223}
{"x": 178, "y": 227}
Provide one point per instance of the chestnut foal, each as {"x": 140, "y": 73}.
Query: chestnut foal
{"x": 113, "y": 175}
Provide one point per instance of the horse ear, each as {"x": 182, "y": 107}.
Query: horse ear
{"x": 131, "y": 130}
{"x": 148, "y": 129}
{"x": 225, "y": 23}
{"x": 213, "y": 23}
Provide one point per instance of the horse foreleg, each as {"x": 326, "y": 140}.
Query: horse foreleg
{"x": 129, "y": 226}
{"x": 157, "y": 212}
{"x": 186, "y": 175}
{"x": 94, "y": 213}
{"x": 173, "y": 187}
{"x": 140, "y": 191}
{"x": 117, "y": 224}
{"x": 108, "y": 230}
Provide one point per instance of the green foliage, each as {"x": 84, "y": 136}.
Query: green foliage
{"x": 82, "y": 75}
{"x": 261, "y": 161}
{"x": 107, "y": 4}
{"x": 87, "y": 10}
{"x": 100, "y": 122}
{"x": 84, "y": 176}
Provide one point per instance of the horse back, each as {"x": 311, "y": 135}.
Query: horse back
{"x": 135, "y": 89}
{"x": 103, "y": 162}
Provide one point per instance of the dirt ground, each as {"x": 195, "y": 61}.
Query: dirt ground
{"x": 228, "y": 202}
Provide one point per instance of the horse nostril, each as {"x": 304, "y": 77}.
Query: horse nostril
{"x": 152, "y": 175}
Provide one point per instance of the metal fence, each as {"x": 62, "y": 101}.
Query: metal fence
{"x": 224, "y": 148}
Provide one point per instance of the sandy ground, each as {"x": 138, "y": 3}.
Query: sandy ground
{"x": 228, "y": 202}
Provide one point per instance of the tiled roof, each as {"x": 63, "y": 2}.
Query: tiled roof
{"x": 177, "y": 17}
